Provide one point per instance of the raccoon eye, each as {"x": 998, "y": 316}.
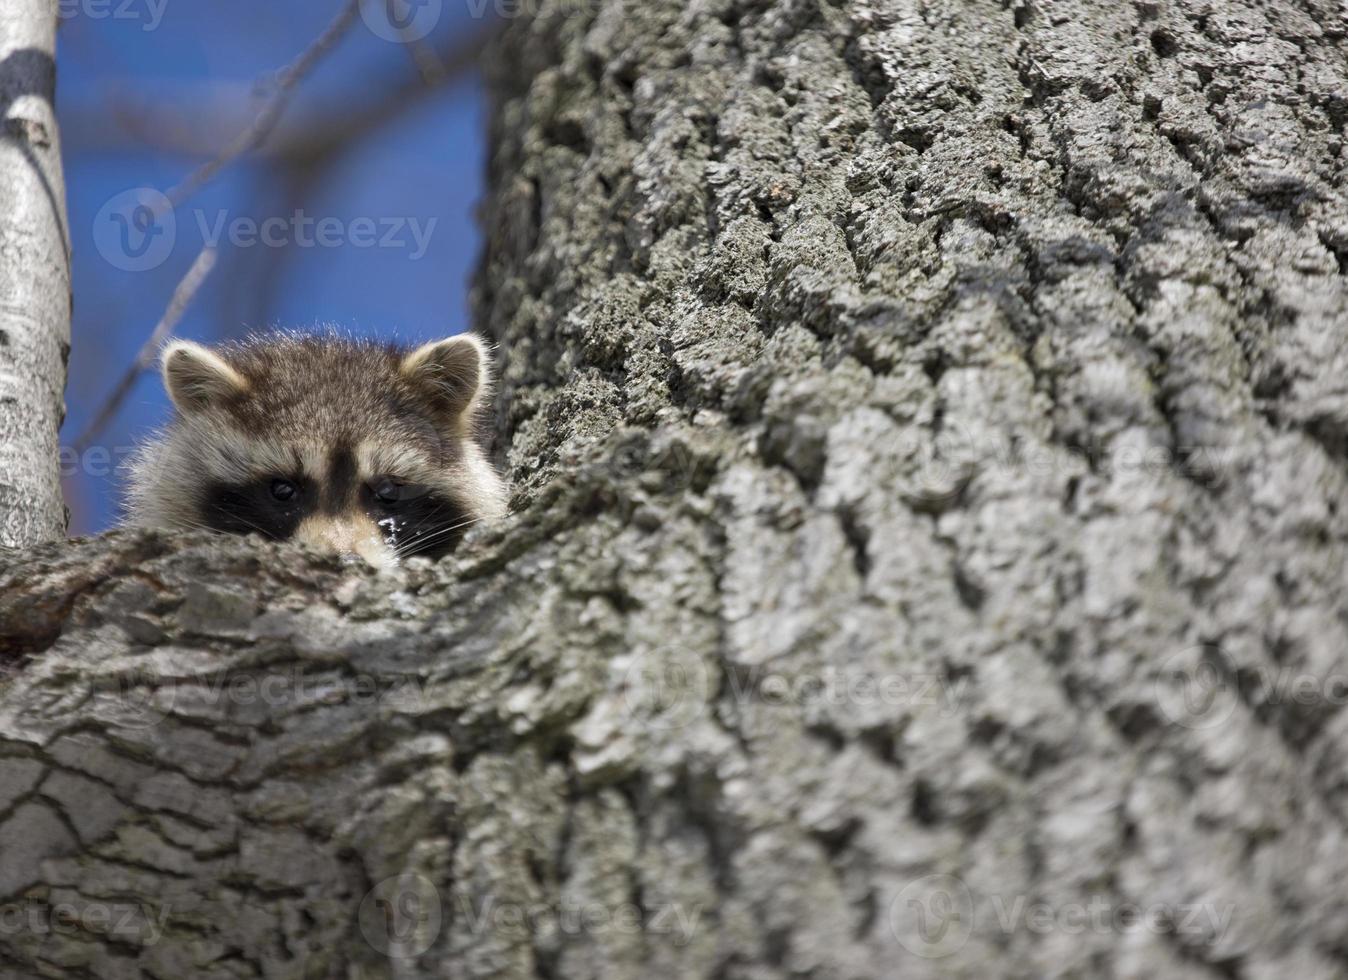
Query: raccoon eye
{"x": 386, "y": 491}
{"x": 283, "y": 490}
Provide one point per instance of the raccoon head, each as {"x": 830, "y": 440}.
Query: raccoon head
{"x": 356, "y": 448}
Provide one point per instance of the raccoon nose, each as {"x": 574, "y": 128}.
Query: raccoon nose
{"x": 349, "y": 540}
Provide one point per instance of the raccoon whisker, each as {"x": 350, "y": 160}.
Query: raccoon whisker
{"x": 391, "y": 537}
{"x": 430, "y": 540}
{"x": 243, "y": 520}
{"x": 422, "y": 523}
{"x": 420, "y": 547}
{"x": 442, "y": 531}
{"x": 189, "y": 525}
{"x": 434, "y": 538}
{"x": 412, "y": 532}
{"x": 436, "y": 532}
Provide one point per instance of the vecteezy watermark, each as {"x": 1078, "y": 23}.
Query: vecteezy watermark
{"x": 129, "y": 923}
{"x": 669, "y": 688}
{"x": 98, "y": 462}
{"x": 401, "y": 21}
{"x": 403, "y": 916}
{"x": 490, "y": 915}
{"x": 1193, "y": 688}
{"x": 135, "y": 698}
{"x": 942, "y": 464}
{"x": 848, "y": 687}
{"x": 150, "y": 13}
{"x": 670, "y": 467}
{"x": 511, "y": 9}
{"x": 1196, "y": 687}
{"x": 935, "y": 916}
{"x": 301, "y": 230}
{"x": 1198, "y": 923}
{"x": 135, "y": 230}
{"x": 664, "y": 689}
{"x": 297, "y": 688}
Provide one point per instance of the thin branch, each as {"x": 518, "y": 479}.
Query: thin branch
{"x": 312, "y": 146}
{"x": 424, "y": 57}
{"x": 253, "y": 136}
{"x": 262, "y": 125}
{"x": 182, "y": 298}
{"x": 323, "y": 139}
{"x": 317, "y": 132}
{"x": 34, "y": 277}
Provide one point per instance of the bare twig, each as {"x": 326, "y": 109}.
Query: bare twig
{"x": 313, "y": 134}
{"x": 182, "y": 297}
{"x": 249, "y": 139}
{"x": 298, "y": 152}
{"x": 424, "y": 57}
{"x": 323, "y": 139}
{"x": 262, "y": 125}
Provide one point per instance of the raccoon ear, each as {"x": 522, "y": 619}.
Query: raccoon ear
{"x": 452, "y": 372}
{"x": 197, "y": 378}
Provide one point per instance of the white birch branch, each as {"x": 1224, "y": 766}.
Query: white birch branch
{"x": 34, "y": 277}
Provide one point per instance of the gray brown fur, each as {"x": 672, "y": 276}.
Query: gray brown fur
{"x": 282, "y": 404}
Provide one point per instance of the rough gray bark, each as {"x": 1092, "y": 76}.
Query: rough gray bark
{"x": 929, "y": 424}
{"x": 34, "y": 278}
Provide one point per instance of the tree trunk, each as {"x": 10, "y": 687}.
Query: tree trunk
{"x": 34, "y": 278}
{"x": 929, "y": 426}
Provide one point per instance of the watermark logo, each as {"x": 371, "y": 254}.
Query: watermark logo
{"x": 513, "y": 9}
{"x": 933, "y": 917}
{"x": 137, "y": 699}
{"x": 489, "y": 916}
{"x": 149, "y": 13}
{"x": 1197, "y": 688}
{"x": 1193, "y": 690}
{"x": 135, "y": 230}
{"x": 127, "y": 923}
{"x": 401, "y": 916}
{"x": 1200, "y": 924}
{"x": 938, "y": 469}
{"x": 302, "y": 230}
{"x": 401, "y": 21}
{"x": 667, "y": 468}
{"x": 850, "y": 687}
{"x": 98, "y": 462}
{"x": 665, "y": 689}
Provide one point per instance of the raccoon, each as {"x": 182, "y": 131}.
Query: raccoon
{"x": 357, "y": 448}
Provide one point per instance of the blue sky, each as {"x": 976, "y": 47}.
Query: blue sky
{"x": 382, "y": 242}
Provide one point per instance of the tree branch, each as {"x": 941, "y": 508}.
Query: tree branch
{"x": 182, "y": 298}
{"x": 308, "y": 136}
{"x": 34, "y": 278}
{"x": 265, "y": 121}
